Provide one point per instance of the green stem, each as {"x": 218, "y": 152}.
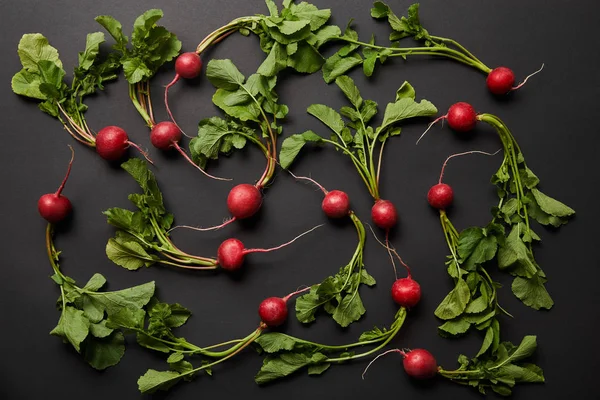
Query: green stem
{"x": 399, "y": 322}
{"x": 138, "y": 106}
{"x": 363, "y": 172}
{"x": 218, "y": 34}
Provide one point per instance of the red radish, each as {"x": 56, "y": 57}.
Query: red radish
{"x": 273, "y": 311}
{"x": 440, "y": 196}
{"x": 336, "y": 204}
{"x": 383, "y": 214}
{"x": 54, "y": 207}
{"x": 188, "y": 66}
{"x": 461, "y": 117}
{"x": 420, "y": 364}
{"x": 231, "y": 252}
{"x": 244, "y": 200}
{"x": 406, "y": 292}
{"x": 500, "y": 80}
{"x": 166, "y": 135}
{"x": 112, "y": 143}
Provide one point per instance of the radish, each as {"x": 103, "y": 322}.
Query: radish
{"x": 336, "y": 203}
{"x": 440, "y": 196}
{"x": 244, "y": 201}
{"x": 384, "y": 215}
{"x": 273, "y": 311}
{"x": 54, "y": 207}
{"x": 500, "y": 80}
{"x": 418, "y": 363}
{"x": 406, "y": 292}
{"x": 461, "y": 117}
{"x": 166, "y": 135}
{"x": 112, "y": 143}
{"x": 188, "y": 66}
{"x": 231, "y": 253}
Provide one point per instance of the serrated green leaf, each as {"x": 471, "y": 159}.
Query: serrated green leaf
{"x": 513, "y": 254}
{"x": 406, "y": 108}
{"x": 306, "y": 11}
{"x": 475, "y": 248}
{"x": 455, "y": 302}
{"x": 92, "y": 48}
{"x": 105, "y": 352}
{"x": 136, "y": 70}
{"x": 328, "y": 116}
{"x": 350, "y": 309}
{"x": 114, "y": 28}
{"x": 476, "y": 305}
{"x": 455, "y": 327}
{"x": 73, "y": 326}
{"x": 405, "y": 91}
{"x": 337, "y": 65}
{"x": 274, "y": 342}
{"x": 532, "y": 292}
{"x": 292, "y": 145}
{"x": 552, "y": 206}
{"x": 306, "y": 59}
{"x": 143, "y": 24}
{"x": 246, "y": 112}
{"x": 324, "y": 35}
{"x": 129, "y": 254}
{"x": 154, "y": 380}
{"x": 223, "y": 74}
{"x": 26, "y": 83}
{"x": 33, "y": 48}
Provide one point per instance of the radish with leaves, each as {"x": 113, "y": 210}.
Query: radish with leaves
{"x": 509, "y": 235}
{"x": 42, "y": 78}
{"x": 54, "y": 207}
{"x": 498, "y": 372}
{"x": 143, "y": 239}
{"x": 500, "y": 81}
{"x": 338, "y": 295}
{"x": 291, "y": 37}
{"x": 360, "y": 145}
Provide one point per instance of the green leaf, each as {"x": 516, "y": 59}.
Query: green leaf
{"x": 306, "y": 11}
{"x": 151, "y": 343}
{"x": 92, "y": 48}
{"x": 292, "y": 145}
{"x": 346, "y": 84}
{"x": 154, "y": 380}
{"x": 455, "y": 327}
{"x": 143, "y": 24}
{"x": 93, "y": 311}
{"x": 51, "y": 79}
{"x": 318, "y": 369}
{"x": 223, "y": 74}
{"x": 514, "y": 254}
{"x": 476, "y": 305}
{"x": 405, "y": 91}
{"x": 95, "y": 283}
{"x": 369, "y": 65}
{"x": 102, "y": 353}
{"x": 275, "y": 61}
{"x": 272, "y": 8}
{"x": 455, "y": 302}
{"x": 100, "y": 330}
{"x": 246, "y": 112}
{"x": 350, "y": 309}
{"x": 475, "y": 247}
{"x": 306, "y": 59}
{"x": 115, "y": 29}
{"x": 33, "y": 48}
{"x": 529, "y": 179}
{"x": 552, "y": 206}
{"x": 136, "y": 70}
{"x": 324, "y": 35}
{"x": 366, "y": 279}
{"x": 328, "y": 116}
{"x": 275, "y": 367}
{"x": 26, "y": 83}
{"x": 487, "y": 341}
{"x": 129, "y": 254}
{"x": 379, "y": 10}
{"x": 274, "y": 342}
{"x": 133, "y": 298}
{"x": 73, "y": 326}
{"x": 532, "y": 292}
{"x": 307, "y": 305}
{"x": 336, "y": 65}
{"x": 406, "y": 108}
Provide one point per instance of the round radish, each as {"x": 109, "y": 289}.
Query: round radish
{"x": 244, "y": 200}
{"x": 406, "y": 292}
{"x": 54, "y": 207}
{"x": 440, "y": 196}
{"x": 188, "y": 65}
{"x": 273, "y": 311}
{"x": 500, "y": 80}
{"x": 420, "y": 364}
{"x": 383, "y": 214}
{"x": 230, "y": 255}
{"x": 112, "y": 143}
{"x": 462, "y": 117}
{"x": 165, "y": 135}
{"x": 336, "y": 204}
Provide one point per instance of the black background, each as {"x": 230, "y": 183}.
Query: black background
{"x": 554, "y": 118}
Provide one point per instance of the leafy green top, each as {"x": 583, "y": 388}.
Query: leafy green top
{"x": 252, "y": 111}
{"x": 143, "y": 233}
{"x": 354, "y": 136}
{"x": 151, "y": 45}
{"x": 42, "y": 78}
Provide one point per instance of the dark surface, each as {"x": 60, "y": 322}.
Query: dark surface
{"x": 554, "y": 118}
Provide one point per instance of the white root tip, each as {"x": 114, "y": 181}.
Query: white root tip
{"x": 527, "y": 77}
